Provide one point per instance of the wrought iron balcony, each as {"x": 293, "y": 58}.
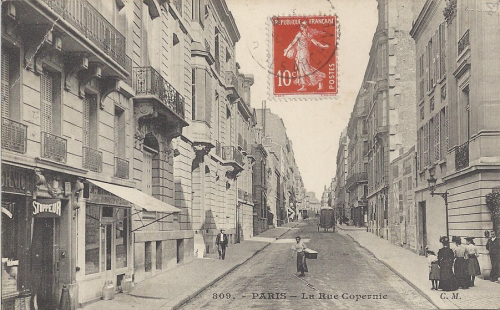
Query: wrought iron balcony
{"x": 148, "y": 81}
{"x": 230, "y": 153}
{"x": 463, "y": 43}
{"x": 53, "y": 147}
{"x": 92, "y": 159}
{"x": 95, "y": 27}
{"x": 462, "y": 156}
{"x": 13, "y": 135}
{"x": 356, "y": 178}
{"x": 121, "y": 168}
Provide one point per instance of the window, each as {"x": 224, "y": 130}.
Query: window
{"x": 217, "y": 51}
{"x": 10, "y": 84}
{"x": 90, "y": 121}
{"x": 92, "y": 238}
{"x": 50, "y": 113}
{"x": 119, "y": 132}
{"x": 426, "y": 145}
{"x": 442, "y": 50}
{"x": 193, "y": 94}
{"x": 121, "y": 236}
{"x": 437, "y": 137}
{"x": 199, "y": 11}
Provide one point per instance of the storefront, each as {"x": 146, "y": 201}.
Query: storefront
{"x": 104, "y": 242}
{"x": 17, "y": 189}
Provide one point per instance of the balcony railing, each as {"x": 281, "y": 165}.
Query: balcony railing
{"x": 13, "y": 135}
{"x": 463, "y": 42}
{"x": 230, "y": 153}
{"x": 53, "y": 147}
{"x": 149, "y": 82}
{"x": 462, "y": 156}
{"x": 121, "y": 168}
{"x": 356, "y": 178}
{"x": 92, "y": 159}
{"x": 218, "y": 149}
{"x": 87, "y": 19}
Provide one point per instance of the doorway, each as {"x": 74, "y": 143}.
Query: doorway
{"x": 422, "y": 215}
{"x": 45, "y": 265}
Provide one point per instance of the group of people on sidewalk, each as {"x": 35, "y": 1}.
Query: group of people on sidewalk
{"x": 457, "y": 266}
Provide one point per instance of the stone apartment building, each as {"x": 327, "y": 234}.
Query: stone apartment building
{"x": 121, "y": 125}
{"x": 458, "y": 124}
{"x": 341, "y": 202}
{"x": 389, "y": 83}
{"x": 357, "y": 177}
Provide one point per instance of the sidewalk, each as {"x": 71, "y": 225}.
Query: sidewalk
{"x": 172, "y": 288}
{"x": 414, "y": 270}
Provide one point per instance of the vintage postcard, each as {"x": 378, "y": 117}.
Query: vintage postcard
{"x": 250, "y": 154}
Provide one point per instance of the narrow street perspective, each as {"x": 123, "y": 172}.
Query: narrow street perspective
{"x": 344, "y": 276}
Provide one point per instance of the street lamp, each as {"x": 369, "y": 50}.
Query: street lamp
{"x": 432, "y": 187}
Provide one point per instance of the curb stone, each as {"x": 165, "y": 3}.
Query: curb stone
{"x": 199, "y": 291}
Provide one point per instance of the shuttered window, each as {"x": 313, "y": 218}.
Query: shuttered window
{"x": 426, "y": 145}
{"x": 86, "y": 121}
{"x": 437, "y": 138}
{"x": 5, "y": 83}
{"x": 46, "y": 93}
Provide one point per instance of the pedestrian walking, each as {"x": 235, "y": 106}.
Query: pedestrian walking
{"x": 300, "y": 248}
{"x": 433, "y": 269}
{"x": 446, "y": 257}
{"x": 493, "y": 246}
{"x": 474, "y": 269}
{"x": 221, "y": 242}
{"x": 461, "y": 265}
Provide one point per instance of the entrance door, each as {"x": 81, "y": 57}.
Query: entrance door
{"x": 422, "y": 226}
{"x": 107, "y": 251}
{"x": 44, "y": 264}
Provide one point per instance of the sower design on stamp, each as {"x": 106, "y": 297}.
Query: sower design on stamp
{"x": 304, "y": 54}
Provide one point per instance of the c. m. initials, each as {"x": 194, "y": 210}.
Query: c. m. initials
{"x": 453, "y": 296}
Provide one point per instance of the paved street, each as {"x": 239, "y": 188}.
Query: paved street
{"x": 345, "y": 276}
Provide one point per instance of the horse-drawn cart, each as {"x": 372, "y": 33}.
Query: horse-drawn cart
{"x": 327, "y": 219}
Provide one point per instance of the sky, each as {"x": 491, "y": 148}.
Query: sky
{"x": 313, "y": 126}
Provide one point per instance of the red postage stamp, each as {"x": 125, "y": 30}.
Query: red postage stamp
{"x": 304, "y": 51}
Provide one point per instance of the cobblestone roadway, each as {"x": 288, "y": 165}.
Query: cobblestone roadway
{"x": 342, "y": 269}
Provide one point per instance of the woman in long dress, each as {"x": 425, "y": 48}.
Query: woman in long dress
{"x": 307, "y": 74}
{"x": 446, "y": 257}
{"x": 474, "y": 269}
{"x": 461, "y": 266}
{"x": 300, "y": 247}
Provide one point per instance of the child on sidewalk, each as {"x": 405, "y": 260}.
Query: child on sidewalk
{"x": 433, "y": 269}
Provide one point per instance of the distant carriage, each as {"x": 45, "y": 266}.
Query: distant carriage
{"x": 327, "y": 219}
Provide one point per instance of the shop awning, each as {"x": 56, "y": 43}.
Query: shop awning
{"x": 139, "y": 199}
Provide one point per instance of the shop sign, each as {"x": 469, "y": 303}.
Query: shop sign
{"x": 17, "y": 180}
{"x": 47, "y": 208}
{"x": 101, "y": 196}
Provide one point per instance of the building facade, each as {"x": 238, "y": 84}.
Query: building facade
{"x": 457, "y": 130}
{"x": 126, "y": 128}
{"x": 390, "y": 90}
{"x": 403, "y": 224}
{"x": 341, "y": 201}
{"x": 357, "y": 178}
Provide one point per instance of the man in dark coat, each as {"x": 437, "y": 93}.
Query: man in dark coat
{"x": 221, "y": 242}
{"x": 493, "y": 246}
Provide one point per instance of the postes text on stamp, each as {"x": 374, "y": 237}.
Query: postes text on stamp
{"x": 304, "y": 56}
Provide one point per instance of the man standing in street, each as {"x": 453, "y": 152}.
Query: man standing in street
{"x": 221, "y": 242}
{"x": 493, "y": 246}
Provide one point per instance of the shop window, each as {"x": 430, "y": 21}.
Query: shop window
{"x": 121, "y": 237}
{"x": 92, "y": 229}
